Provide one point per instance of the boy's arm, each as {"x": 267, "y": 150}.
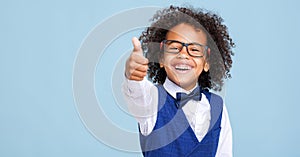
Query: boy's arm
{"x": 225, "y": 140}
{"x": 141, "y": 99}
{"x": 140, "y": 94}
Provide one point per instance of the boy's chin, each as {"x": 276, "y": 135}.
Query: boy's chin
{"x": 186, "y": 84}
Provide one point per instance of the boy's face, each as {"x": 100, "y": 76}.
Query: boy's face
{"x": 181, "y": 68}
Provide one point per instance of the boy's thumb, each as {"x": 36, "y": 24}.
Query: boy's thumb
{"x": 137, "y": 45}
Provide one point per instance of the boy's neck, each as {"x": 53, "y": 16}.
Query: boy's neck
{"x": 170, "y": 85}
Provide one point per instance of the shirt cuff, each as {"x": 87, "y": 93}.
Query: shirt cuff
{"x": 133, "y": 88}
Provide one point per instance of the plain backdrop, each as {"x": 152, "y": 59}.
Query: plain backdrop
{"x": 39, "y": 41}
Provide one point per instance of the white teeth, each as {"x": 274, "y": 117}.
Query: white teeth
{"x": 183, "y": 67}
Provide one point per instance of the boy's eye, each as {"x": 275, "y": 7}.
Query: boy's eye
{"x": 173, "y": 48}
{"x": 194, "y": 49}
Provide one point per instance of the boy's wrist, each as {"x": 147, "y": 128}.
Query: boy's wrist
{"x": 134, "y": 85}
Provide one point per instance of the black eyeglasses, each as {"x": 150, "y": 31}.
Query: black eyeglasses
{"x": 193, "y": 49}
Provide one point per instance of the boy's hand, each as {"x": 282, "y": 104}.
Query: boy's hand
{"x": 136, "y": 65}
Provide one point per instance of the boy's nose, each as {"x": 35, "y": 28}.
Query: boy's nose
{"x": 183, "y": 53}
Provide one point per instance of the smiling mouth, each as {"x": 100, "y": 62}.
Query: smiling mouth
{"x": 182, "y": 67}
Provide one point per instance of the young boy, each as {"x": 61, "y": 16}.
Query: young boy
{"x": 188, "y": 53}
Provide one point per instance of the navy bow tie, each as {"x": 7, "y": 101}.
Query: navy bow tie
{"x": 183, "y": 98}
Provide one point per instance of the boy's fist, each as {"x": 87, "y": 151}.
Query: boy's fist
{"x": 136, "y": 65}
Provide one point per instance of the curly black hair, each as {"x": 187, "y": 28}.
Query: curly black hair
{"x": 218, "y": 40}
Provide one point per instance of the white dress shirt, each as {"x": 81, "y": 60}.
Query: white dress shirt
{"x": 142, "y": 101}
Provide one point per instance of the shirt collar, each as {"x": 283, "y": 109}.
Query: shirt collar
{"x": 173, "y": 88}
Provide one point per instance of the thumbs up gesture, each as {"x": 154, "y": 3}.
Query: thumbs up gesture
{"x": 136, "y": 65}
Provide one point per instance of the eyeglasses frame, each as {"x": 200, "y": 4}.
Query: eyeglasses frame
{"x": 184, "y": 45}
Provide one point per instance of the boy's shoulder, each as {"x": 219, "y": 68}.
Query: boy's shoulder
{"x": 212, "y": 97}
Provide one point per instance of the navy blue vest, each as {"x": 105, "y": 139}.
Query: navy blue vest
{"x": 172, "y": 134}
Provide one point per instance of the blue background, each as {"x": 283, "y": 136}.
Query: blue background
{"x": 39, "y": 41}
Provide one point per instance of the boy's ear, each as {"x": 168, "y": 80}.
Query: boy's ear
{"x": 206, "y": 67}
{"x": 161, "y": 65}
